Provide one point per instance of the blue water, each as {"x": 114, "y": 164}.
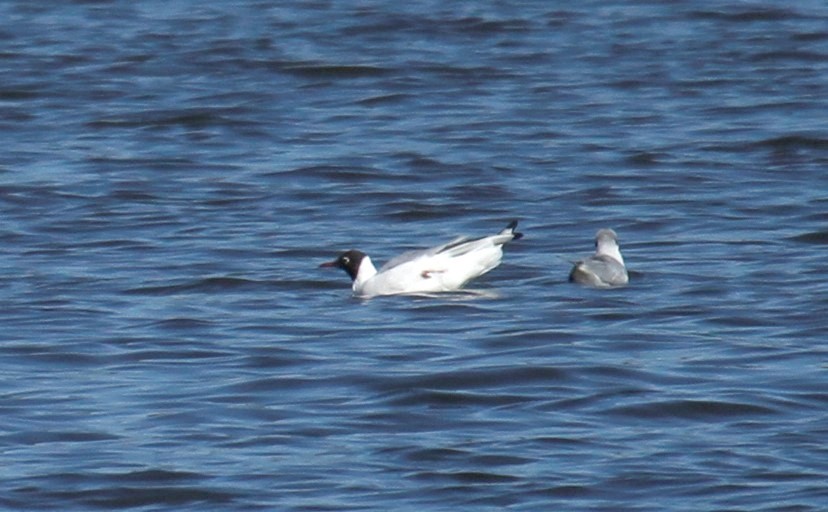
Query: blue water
{"x": 173, "y": 173}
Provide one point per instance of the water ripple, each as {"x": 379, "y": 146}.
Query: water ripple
{"x": 172, "y": 178}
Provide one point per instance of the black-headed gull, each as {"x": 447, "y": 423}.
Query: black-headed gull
{"x": 605, "y": 268}
{"x": 443, "y": 268}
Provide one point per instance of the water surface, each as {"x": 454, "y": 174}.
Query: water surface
{"x": 174, "y": 172}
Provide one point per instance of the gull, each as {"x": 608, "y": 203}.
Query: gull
{"x": 604, "y": 269}
{"x": 442, "y": 268}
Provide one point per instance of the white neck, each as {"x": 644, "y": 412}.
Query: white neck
{"x": 366, "y": 271}
{"x": 609, "y": 249}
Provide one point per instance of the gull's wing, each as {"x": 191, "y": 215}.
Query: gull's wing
{"x": 602, "y": 269}
{"x": 457, "y": 247}
{"x": 419, "y": 253}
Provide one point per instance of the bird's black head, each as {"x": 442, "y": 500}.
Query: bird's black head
{"x": 348, "y": 261}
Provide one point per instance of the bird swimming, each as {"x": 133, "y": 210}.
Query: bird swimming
{"x": 442, "y": 268}
{"x": 605, "y": 268}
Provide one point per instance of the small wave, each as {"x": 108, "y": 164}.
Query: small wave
{"x": 383, "y": 99}
{"x": 31, "y": 438}
{"x": 18, "y": 94}
{"x": 471, "y": 382}
{"x": 794, "y": 142}
{"x": 814, "y": 237}
{"x": 453, "y": 399}
{"x": 207, "y": 285}
{"x": 193, "y": 118}
{"x": 334, "y": 71}
{"x": 182, "y": 323}
{"x": 701, "y": 410}
{"x": 148, "y": 496}
{"x": 466, "y": 477}
{"x": 747, "y": 15}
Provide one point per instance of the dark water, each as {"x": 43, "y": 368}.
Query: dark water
{"x": 172, "y": 174}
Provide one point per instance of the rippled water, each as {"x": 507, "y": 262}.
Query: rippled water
{"x": 172, "y": 174}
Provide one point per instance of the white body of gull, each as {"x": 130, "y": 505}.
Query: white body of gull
{"x": 604, "y": 269}
{"x": 443, "y": 268}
